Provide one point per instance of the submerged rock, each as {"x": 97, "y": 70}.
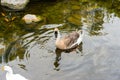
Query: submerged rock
{"x": 29, "y": 18}
{"x": 14, "y": 4}
{"x": 74, "y": 19}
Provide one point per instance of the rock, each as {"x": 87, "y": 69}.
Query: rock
{"x": 29, "y": 18}
{"x": 14, "y": 4}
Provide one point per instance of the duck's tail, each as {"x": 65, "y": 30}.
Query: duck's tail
{"x": 81, "y": 33}
{"x": 79, "y": 40}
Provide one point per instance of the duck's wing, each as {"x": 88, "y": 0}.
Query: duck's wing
{"x": 70, "y": 39}
{"x": 79, "y": 40}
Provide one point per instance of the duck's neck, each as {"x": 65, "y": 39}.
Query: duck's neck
{"x": 58, "y": 35}
{"x": 9, "y": 74}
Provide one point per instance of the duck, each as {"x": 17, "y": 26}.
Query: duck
{"x": 10, "y": 75}
{"x": 69, "y": 41}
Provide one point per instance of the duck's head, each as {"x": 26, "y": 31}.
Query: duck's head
{"x": 7, "y": 68}
{"x": 56, "y": 32}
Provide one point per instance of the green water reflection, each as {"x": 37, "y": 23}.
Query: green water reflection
{"x": 25, "y": 45}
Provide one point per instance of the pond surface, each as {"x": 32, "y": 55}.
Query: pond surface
{"x": 30, "y": 48}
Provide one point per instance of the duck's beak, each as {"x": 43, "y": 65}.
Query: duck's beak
{"x": 2, "y": 68}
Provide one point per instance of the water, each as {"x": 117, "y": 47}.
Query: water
{"x": 31, "y": 52}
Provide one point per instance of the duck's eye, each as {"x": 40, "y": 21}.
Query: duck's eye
{"x": 2, "y": 68}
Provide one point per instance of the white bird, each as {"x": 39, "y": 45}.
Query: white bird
{"x": 10, "y": 75}
{"x": 69, "y": 41}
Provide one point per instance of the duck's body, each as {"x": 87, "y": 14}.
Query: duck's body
{"x": 69, "y": 41}
{"x": 14, "y": 77}
{"x": 11, "y": 76}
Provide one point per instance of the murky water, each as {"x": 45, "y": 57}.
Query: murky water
{"x": 30, "y": 50}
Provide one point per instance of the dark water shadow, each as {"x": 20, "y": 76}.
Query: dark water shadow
{"x": 17, "y": 48}
{"x": 7, "y": 52}
{"x": 58, "y": 52}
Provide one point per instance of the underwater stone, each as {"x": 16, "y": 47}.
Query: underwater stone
{"x": 29, "y": 18}
{"x": 14, "y": 4}
{"x": 74, "y": 19}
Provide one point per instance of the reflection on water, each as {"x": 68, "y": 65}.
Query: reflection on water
{"x": 17, "y": 48}
{"x": 58, "y": 53}
{"x": 30, "y": 49}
